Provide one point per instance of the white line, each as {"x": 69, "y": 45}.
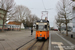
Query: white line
{"x": 66, "y": 40}
{"x": 59, "y": 45}
{"x": 49, "y": 48}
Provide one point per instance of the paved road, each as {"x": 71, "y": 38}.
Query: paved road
{"x": 11, "y": 40}
{"x": 60, "y": 43}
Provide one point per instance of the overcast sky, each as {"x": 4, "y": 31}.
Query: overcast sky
{"x": 36, "y": 7}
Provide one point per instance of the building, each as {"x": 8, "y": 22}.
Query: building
{"x": 13, "y": 25}
{"x": 1, "y": 21}
{"x": 2, "y": 13}
{"x": 22, "y": 26}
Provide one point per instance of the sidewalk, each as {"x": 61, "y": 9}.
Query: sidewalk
{"x": 72, "y": 40}
{"x": 11, "y": 40}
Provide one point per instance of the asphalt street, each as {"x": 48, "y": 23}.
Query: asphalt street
{"x": 60, "y": 43}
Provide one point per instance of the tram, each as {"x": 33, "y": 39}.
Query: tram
{"x": 42, "y": 29}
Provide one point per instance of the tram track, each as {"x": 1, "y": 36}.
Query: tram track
{"x": 25, "y": 44}
{"x": 32, "y": 45}
{"x": 42, "y": 45}
{"x": 36, "y": 45}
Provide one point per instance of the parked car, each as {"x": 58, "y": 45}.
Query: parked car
{"x": 55, "y": 29}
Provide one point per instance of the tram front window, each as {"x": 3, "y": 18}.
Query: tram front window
{"x": 41, "y": 27}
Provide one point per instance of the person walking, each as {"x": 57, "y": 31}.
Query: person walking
{"x": 31, "y": 31}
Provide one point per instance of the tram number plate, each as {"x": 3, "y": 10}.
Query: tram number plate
{"x": 39, "y": 37}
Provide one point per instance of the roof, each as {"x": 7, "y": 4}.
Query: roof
{"x": 14, "y": 23}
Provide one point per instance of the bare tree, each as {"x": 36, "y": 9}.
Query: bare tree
{"x": 22, "y": 13}
{"x": 34, "y": 18}
{"x": 65, "y": 12}
{"x": 31, "y": 19}
{"x": 59, "y": 21}
{"x": 7, "y": 5}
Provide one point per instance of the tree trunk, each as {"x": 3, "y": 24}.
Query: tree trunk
{"x": 66, "y": 30}
{"x": 60, "y": 27}
{"x": 4, "y": 19}
{"x": 66, "y": 26}
{"x": 3, "y": 26}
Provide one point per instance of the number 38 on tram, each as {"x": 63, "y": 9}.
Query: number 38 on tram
{"x": 42, "y": 29}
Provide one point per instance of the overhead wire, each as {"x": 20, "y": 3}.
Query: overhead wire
{"x": 43, "y": 5}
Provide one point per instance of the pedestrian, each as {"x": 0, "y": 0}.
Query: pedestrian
{"x": 31, "y": 31}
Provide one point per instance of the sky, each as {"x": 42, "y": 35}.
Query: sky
{"x": 37, "y": 6}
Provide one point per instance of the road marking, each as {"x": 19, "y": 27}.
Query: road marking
{"x": 49, "y": 48}
{"x": 59, "y": 45}
{"x": 66, "y": 40}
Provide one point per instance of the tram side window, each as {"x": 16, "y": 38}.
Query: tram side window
{"x": 48, "y": 27}
{"x": 45, "y": 26}
{"x": 36, "y": 27}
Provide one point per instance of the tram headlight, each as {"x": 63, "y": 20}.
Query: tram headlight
{"x": 45, "y": 23}
{"x": 37, "y": 23}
